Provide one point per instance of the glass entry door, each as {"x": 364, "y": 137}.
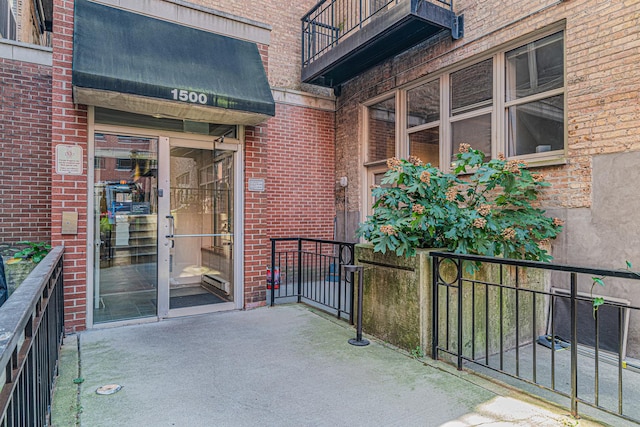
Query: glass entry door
{"x": 125, "y": 223}
{"x": 199, "y": 225}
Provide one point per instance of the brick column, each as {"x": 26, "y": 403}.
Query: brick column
{"x": 69, "y": 192}
{"x": 256, "y": 243}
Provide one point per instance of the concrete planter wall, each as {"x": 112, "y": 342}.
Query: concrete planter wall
{"x": 397, "y": 305}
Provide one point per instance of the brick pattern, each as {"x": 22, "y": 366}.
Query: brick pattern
{"x": 294, "y": 189}
{"x": 602, "y": 87}
{"x": 69, "y": 192}
{"x": 256, "y": 243}
{"x": 301, "y": 178}
{"x": 25, "y": 126}
{"x": 284, "y": 18}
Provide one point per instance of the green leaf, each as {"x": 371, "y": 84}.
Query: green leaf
{"x": 598, "y": 301}
{"x": 628, "y": 265}
{"x": 78, "y": 380}
{"x": 598, "y": 280}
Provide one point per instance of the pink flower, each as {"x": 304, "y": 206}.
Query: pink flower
{"x": 388, "y": 230}
{"x": 464, "y": 148}
{"x": 479, "y": 222}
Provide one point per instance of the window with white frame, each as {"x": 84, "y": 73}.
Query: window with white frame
{"x": 534, "y": 97}
{"x": 381, "y": 130}
{"x": 471, "y": 106}
{"x": 423, "y": 122}
{"x": 511, "y": 102}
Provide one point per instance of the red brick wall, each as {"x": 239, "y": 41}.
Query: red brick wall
{"x": 69, "y": 192}
{"x": 284, "y": 18}
{"x": 256, "y": 247}
{"x": 301, "y": 173}
{"x": 25, "y": 143}
{"x": 294, "y": 153}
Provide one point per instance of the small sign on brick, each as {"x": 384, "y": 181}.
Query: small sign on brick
{"x": 256, "y": 185}
{"x": 68, "y": 160}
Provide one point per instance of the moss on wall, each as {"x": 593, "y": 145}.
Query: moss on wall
{"x": 397, "y": 297}
{"x": 397, "y": 305}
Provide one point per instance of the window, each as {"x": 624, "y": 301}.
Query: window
{"x": 381, "y": 130}
{"x": 124, "y": 164}
{"x": 7, "y": 20}
{"x": 471, "y": 107}
{"x": 423, "y": 122}
{"x": 511, "y": 102}
{"x": 183, "y": 180}
{"x": 425, "y": 145}
{"x": 99, "y": 163}
{"x": 534, "y": 97}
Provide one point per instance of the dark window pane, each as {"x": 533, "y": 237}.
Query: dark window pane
{"x": 424, "y": 104}
{"x": 475, "y": 131}
{"x": 535, "y": 68}
{"x": 472, "y": 88}
{"x": 382, "y": 130}
{"x": 425, "y": 145}
{"x": 124, "y": 164}
{"x": 536, "y": 127}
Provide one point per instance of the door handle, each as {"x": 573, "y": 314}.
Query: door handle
{"x": 171, "y": 226}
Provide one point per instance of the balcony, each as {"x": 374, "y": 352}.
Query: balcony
{"x": 343, "y": 38}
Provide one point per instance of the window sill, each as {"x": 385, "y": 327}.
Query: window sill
{"x": 535, "y": 161}
{"x": 532, "y": 162}
{"x": 376, "y": 163}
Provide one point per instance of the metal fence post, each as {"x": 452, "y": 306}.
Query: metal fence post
{"x": 358, "y": 340}
{"x": 574, "y": 344}
{"x": 299, "y": 270}
{"x": 435, "y": 266}
{"x": 459, "y": 279}
{"x": 273, "y": 272}
{"x": 352, "y": 295}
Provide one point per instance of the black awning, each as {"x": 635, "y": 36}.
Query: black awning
{"x": 131, "y": 62}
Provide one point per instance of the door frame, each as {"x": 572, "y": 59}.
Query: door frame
{"x": 164, "y": 210}
{"x": 164, "y": 138}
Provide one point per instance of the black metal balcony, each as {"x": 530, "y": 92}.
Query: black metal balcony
{"x": 342, "y": 38}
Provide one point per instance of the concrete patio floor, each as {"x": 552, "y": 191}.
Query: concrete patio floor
{"x": 282, "y": 366}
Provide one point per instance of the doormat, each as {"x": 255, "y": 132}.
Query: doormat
{"x": 194, "y": 300}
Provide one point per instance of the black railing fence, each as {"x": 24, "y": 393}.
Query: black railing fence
{"x": 311, "y": 271}
{"x": 329, "y": 21}
{"x": 536, "y": 323}
{"x": 31, "y": 330}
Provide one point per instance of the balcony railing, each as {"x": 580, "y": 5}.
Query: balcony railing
{"x": 31, "y": 329}
{"x": 331, "y": 22}
{"x": 553, "y": 338}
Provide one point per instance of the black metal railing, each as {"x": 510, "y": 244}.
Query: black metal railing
{"x": 330, "y": 21}
{"x": 527, "y": 322}
{"x": 31, "y": 330}
{"x": 311, "y": 271}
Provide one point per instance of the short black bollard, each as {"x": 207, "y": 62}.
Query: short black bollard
{"x": 358, "y": 340}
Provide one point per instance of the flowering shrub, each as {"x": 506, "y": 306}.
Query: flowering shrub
{"x": 488, "y": 212}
